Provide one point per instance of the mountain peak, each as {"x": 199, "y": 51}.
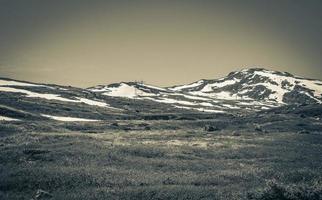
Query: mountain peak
{"x": 258, "y": 70}
{"x": 253, "y": 69}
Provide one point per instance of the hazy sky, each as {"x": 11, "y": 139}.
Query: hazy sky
{"x": 163, "y": 42}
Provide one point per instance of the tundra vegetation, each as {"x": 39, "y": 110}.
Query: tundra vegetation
{"x": 269, "y": 155}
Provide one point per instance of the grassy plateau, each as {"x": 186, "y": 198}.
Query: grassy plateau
{"x": 159, "y": 162}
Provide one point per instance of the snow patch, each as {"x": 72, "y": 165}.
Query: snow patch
{"x": 69, "y": 119}
{"x": 195, "y": 84}
{"x": 92, "y": 102}
{"x": 220, "y": 95}
{"x": 207, "y": 104}
{"x": 200, "y": 109}
{"x": 230, "y": 106}
{"x": 209, "y": 87}
{"x": 172, "y": 101}
{"x": 196, "y": 97}
{"x": 16, "y": 83}
{"x": 3, "y": 118}
{"x": 125, "y": 90}
{"x": 152, "y": 87}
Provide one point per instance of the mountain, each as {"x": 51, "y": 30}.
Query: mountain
{"x": 258, "y": 84}
{"x": 251, "y": 89}
{"x": 244, "y": 91}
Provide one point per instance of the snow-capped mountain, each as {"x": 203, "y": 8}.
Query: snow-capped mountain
{"x": 252, "y": 89}
{"x": 258, "y": 84}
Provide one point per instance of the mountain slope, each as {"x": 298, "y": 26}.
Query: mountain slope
{"x": 20, "y": 100}
{"x": 38, "y": 101}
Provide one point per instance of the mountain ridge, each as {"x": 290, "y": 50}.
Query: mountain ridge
{"x": 247, "y": 90}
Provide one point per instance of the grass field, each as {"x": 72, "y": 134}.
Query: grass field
{"x": 161, "y": 164}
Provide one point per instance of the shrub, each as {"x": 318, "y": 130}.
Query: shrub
{"x": 276, "y": 191}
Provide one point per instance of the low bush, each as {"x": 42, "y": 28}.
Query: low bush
{"x": 278, "y": 191}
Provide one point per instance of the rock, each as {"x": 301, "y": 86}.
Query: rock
{"x": 34, "y": 151}
{"x": 304, "y": 132}
{"x": 42, "y": 194}
{"x": 143, "y": 124}
{"x": 258, "y": 129}
{"x": 236, "y": 133}
{"x": 115, "y": 124}
{"x": 211, "y": 128}
{"x": 168, "y": 181}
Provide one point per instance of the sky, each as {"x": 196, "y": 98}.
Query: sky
{"x": 161, "y": 42}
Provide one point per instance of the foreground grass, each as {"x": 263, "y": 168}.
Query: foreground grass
{"x": 157, "y": 164}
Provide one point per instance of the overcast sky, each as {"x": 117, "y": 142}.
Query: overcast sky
{"x": 166, "y": 42}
